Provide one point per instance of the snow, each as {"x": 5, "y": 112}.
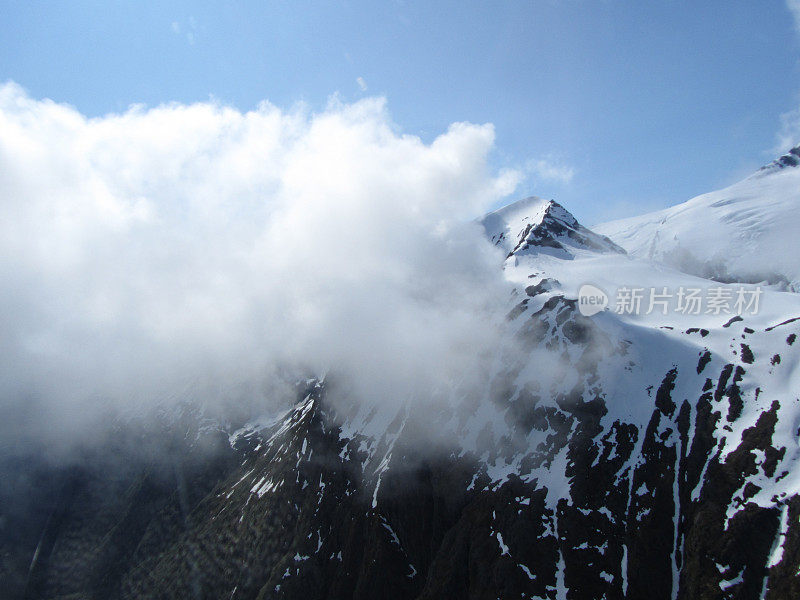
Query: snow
{"x": 503, "y": 225}
{"x": 510, "y": 228}
{"x": 726, "y": 584}
{"x": 561, "y": 586}
{"x": 776, "y": 554}
{"x": 395, "y": 539}
{"x": 253, "y": 426}
{"x": 264, "y": 486}
{"x": 503, "y": 547}
{"x": 624, "y": 569}
{"x": 527, "y": 571}
{"x": 747, "y": 231}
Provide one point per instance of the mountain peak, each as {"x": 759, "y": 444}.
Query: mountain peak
{"x": 790, "y": 159}
{"x": 532, "y": 206}
{"x": 533, "y": 224}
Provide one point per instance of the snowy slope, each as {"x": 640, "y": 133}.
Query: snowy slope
{"x": 746, "y": 232}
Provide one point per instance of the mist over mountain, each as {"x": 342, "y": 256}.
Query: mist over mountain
{"x": 274, "y": 355}
{"x": 197, "y": 253}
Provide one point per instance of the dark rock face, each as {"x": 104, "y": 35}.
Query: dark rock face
{"x": 558, "y": 229}
{"x": 790, "y": 159}
{"x": 106, "y": 511}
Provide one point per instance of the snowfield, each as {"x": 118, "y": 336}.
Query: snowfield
{"x": 746, "y": 232}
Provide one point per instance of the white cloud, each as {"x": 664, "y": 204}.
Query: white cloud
{"x": 361, "y": 84}
{"x": 549, "y": 169}
{"x": 144, "y": 251}
{"x": 794, "y": 8}
{"x": 789, "y": 132}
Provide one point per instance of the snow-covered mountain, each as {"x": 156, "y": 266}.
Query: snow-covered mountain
{"x": 647, "y": 453}
{"x": 745, "y": 232}
{"x": 538, "y": 225}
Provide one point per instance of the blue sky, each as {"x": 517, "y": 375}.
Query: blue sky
{"x": 612, "y": 107}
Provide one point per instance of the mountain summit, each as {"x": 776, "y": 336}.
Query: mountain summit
{"x": 534, "y": 224}
{"x": 790, "y": 159}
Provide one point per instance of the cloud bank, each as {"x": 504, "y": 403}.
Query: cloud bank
{"x": 191, "y": 249}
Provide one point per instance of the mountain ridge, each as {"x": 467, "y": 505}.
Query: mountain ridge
{"x": 741, "y": 233}
{"x": 790, "y": 159}
{"x": 534, "y": 224}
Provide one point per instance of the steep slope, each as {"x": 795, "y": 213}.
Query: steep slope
{"x": 624, "y": 455}
{"x": 537, "y": 225}
{"x": 746, "y": 232}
